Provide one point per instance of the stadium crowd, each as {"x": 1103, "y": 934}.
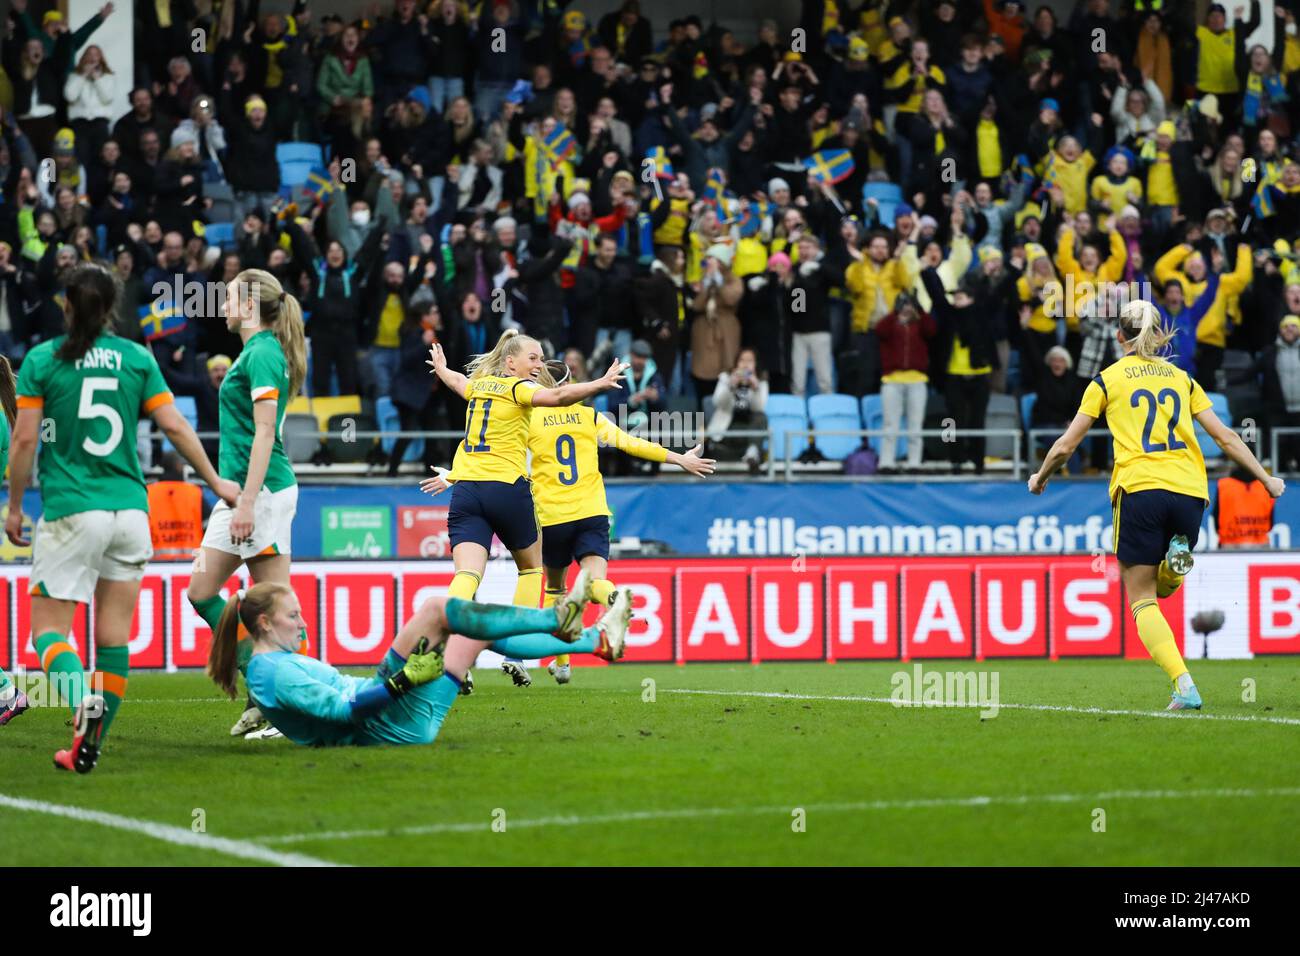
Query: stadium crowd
{"x": 927, "y": 201}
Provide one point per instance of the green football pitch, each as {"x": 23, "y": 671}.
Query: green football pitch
{"x": 704, "y": 764}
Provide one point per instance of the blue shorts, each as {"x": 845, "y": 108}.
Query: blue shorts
{"x": 572, "y": 541}
{"x": 480, "y": 509}
{"x": 1146, "y": 521}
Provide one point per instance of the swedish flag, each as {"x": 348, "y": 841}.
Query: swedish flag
{"x": 159, "y": 321}
{"x": 715, "y": 186}
{"x": 662, "y": 165}
{"x": 559, "y": 144}
{"x": 319, "y": 183}
{"x": 830, "y": 165}
{"x": 748, "y": 224}
{"x": 1262, "y": 206}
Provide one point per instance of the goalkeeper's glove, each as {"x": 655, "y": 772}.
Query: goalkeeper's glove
{"x": 422, "y": 667}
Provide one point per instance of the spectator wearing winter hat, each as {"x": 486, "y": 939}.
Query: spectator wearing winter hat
{"x": 178, "y": 185}
{"x": 1116, "y": 188}
{"x": 251, "y": 166}
{"x": 715, "y": 331}
{"x": 67, "y": 170}
{"x": 904, "y": 334}
{"x": 962, "y": 362}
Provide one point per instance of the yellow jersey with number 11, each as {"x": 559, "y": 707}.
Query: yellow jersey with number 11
{"x": 567, "y": 485}
{"x": 1149, "y": 408}
{"x": 496, "y": 430}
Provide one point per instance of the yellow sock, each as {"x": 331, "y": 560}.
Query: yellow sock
{"x": 602, "y": 592}
{"x": 528, "y": 588}
{"x": 549, "y": 598}
{"x": 1158, "y": 638}
{"x": 464, "y": 585}
{"x": 1166, "y": 581}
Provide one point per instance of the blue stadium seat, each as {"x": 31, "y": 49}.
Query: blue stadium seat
{"x": 1027, "y": 402}
{"x": 822, "y": 406}
{"x": 833, "y": 413}
{"x": 886, "y": 212}
{"x": 883, "y": 193}
{"x": 786, "y": 406}
{"x": 870, "y": 408}
{"x": 299, "y": 153}
{"x": 1219, "y": 404}
{"x": 787, "y": 413}
{"x": 189, "y": 410}
{"x": 219, "y": 233}
{"x": 780, "y": 425}
{"x": 294, "y": 174}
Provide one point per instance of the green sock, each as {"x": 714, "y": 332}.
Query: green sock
{"x": 525, "y": 647}
{"x": 210, "y": 609}
{"x": 63, "y": 667}
{"x": 112, "y": 665}
{"x": 488, "y": 622}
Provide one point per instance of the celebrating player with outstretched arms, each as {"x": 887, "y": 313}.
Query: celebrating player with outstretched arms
{"x": 1158, "y": 488}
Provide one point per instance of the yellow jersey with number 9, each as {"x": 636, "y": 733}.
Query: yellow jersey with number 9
{"x": 567, "y": 485}
{"x": 496, "y": 430}
{"x": 1149, "y": 407}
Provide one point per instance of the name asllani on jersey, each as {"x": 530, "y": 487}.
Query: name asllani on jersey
{"x": 99, "y": 357}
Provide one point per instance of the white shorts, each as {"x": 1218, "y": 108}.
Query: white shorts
{"x": 272, "y": 525}
{"x": 70, "y": 555}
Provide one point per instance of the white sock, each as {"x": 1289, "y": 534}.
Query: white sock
{"x": 1185, "y": 682}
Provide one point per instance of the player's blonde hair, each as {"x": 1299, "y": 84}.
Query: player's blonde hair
{"x": 282, "y": 314}
{"x": 510, "y": 344}
{"x": 258, "y": 600}
{"x": 1144, "y": 334}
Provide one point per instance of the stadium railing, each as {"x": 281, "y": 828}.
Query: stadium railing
{"x": 1281, "y": 431}
{"x": 1015, "y": 434}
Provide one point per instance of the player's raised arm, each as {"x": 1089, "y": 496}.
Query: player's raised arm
{"x": 576, "y": 392}
{"x": 611, "y": 436}
{"x": 1237, "y": 450}
{"x": 454, "y": 380}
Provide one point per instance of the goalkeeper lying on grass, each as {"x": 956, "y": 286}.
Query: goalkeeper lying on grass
{"x": 407, "y": 700}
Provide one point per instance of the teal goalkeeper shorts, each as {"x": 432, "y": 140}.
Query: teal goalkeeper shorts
{"x": 410, "y": 719}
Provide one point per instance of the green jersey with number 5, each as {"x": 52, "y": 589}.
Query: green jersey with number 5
{"x": 89, "y": 409}
{"x": 260, "y": 374}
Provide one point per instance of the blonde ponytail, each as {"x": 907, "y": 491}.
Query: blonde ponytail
{"x": 494, "y": 362}
{"x": 280, "y": 312}
{"x": 1143, "y": 332}
{"x": 244, "y": 607}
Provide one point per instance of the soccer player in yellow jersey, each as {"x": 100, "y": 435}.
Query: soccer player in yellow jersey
{"x": 569, "y": 494}
{"x": 1158, "y": 488}
{"x": 490, "y": 471}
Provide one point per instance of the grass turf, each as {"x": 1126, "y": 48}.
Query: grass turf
{"x": 701, "y": 779}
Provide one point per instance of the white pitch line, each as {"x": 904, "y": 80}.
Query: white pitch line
{"x": 1055, "y": 708}
{"x": 691, "y": 813}
{"x": 177, "y": 836}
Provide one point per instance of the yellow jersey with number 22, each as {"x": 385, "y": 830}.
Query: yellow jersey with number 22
{"x": 1149, "y": 407}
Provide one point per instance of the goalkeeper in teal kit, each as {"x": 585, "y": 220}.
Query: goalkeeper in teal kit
{"x": 407, "y": 700}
